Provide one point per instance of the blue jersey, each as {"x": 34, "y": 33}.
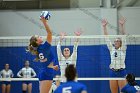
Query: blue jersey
{"x": 130, "y": 89}
{"x": 45, "y": 54}
{"x": 71, "y": 87}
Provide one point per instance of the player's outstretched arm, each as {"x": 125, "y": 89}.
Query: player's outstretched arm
{"x": 122, "y": 31}
{"x": 78, "y": 33}
{"x": 122, "y": 25}
{"x": 48, "y": 30}
{"x": 74, "y": 54}
{"x": 62, "y": 36}
{"x": 104, "y": 24}
{"x": 59, "y": 52}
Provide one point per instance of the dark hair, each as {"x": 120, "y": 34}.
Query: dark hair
{"x": 64, "y": 49}
{"x": 70, "y": 72}
{"x": 32, "y": 48}
{"x": 131, "y": 79}
{"x": 6, "y": 64}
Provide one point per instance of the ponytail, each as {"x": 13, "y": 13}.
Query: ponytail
{"x": 132, "y": 83}
{"x": 32, "y": 47}
{"x": 131, "y": 79}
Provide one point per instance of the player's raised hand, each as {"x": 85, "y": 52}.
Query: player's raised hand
{"x": 62, "y": 35}
{"x": 43, "y": 19}
{"x": 122, "y": 20}
{"x": 104, "y": 22}
{"x": 78, "y": 32}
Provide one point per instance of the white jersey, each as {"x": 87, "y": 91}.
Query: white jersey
{"x": 63, "y": 62}
{"x": 117, "y": 55}
{"x": 6, "y": 74}
{"x": 26, "y": 73}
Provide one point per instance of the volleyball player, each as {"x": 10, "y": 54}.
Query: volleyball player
{"x": 118, "y": 53}
{"x": 71, "y": 86}
{"x": 65, "y": 58}
{"x": 26, "y": 72}
{"x": 6, "y": 73}
{"x": 45, "y": 56}
{"x": 131, "y": 86}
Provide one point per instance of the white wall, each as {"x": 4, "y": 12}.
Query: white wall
{"x": 133, "y": 19}
{"x": 26, "y": 23}
{"x": 111, "y": 16}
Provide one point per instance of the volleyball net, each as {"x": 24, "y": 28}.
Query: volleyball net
{"x": 93, "y": 57}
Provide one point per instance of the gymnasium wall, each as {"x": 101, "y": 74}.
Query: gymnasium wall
{"x": 26, "y": 23}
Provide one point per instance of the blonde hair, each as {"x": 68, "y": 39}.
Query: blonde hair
{"x": 32, "y": 47}
{"x": 120, "y": 40}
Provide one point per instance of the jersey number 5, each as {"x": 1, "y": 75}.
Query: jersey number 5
{"x": 41, "y": 56}
{"x": 67, "y": 90}
{"x": 137, "y": 88}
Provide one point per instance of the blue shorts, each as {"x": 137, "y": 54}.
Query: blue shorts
{"x": 45, "y": 74}
{"x": 121, "y": 73}
{"x": 26, "y": 82}
{"x": 6, "y": 82}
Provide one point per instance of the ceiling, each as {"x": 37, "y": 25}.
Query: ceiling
{"x": 56, "y": 4}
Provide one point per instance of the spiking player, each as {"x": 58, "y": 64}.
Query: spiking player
{"x": 44, "y": 54}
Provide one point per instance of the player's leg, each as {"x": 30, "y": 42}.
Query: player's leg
{"x": 51, "y": 90}
{"x": 24, "y": 87}
{"x": 29, "y": 87}
{"x": 3, "y": 88}
{"x": 8, "y": 87}
{"x": 45, "y": 80}
{"x": 114, "y": 86}
{"x": 114, "y": 83}
{"x": 45, "y": 86}
{"x": 56, "y": 83}
{"x": 121, "y": 83}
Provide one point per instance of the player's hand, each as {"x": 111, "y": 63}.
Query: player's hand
{"x": 62, "y": 35}
{"x": 43, "y": 19}
{"x": 104, "y": 22}
{"x": 78, "y": 32}
{"x": 56, "y": 67}
{"x": 122, "y": 21}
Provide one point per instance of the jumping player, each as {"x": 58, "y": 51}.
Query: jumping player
{"x": 65, "y": 58}
{"x": 45, "y": 56}
{"x": 117, "y": 53}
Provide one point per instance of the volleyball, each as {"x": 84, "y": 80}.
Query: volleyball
{"x": 45, "y": 14}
